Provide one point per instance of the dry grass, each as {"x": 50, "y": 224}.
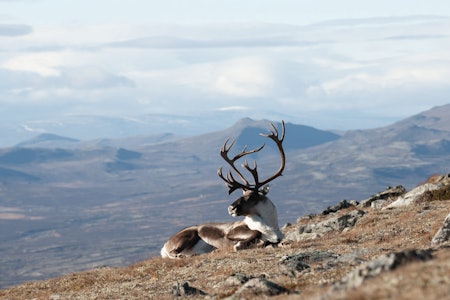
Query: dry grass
{"x": 377, "y": 232}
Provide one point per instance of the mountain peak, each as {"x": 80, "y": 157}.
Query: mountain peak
{"x": 437, "y": 118}
{"x": 299, "y": 136}
{"x": 46, "y": 139}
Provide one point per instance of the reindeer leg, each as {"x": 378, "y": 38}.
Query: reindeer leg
{"x": 182, "y": 243}
{"x": 243, "y": 236}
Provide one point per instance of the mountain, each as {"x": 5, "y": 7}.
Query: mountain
{"x": 247, "y": 132}
{"x": 435, "y": 118}
{"x": 95, "y": 127}
{"x": 129, "y": 194}
{"x": 22, "y": 156}
{"x": 46, "y": 140}
{"x": 9, "y": 175}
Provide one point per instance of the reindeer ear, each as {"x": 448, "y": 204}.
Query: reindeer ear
{"x": 265, "y": 190}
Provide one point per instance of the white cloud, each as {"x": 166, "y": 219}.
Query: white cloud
{"x": 44, "y": 64}
{"x": 243, "y": 77}
{"x": 404, "y": 77}
{"x": 234, "y": 108}
{"x": 11, "y": 30}
{"x": 351, "y": 65}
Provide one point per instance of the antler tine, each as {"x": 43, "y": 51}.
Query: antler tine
{"x": 253, "y": 171}
{"x": 231, "y": 183}
{"x": 274, "y": 135}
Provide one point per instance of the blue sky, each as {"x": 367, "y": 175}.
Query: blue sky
{"x": 329, "y": 64}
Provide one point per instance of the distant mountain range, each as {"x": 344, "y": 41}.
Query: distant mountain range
{"x": 67, "y": 204}
{"x": 94, "y": 127}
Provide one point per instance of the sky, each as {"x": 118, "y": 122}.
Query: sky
{"x": 330, "y": 64}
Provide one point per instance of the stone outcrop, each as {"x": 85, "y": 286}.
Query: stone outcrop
{"x": 442, "y": 237}
{"x": 338, "y": 223}
{"x": 433, "y": 183}
{"x": 377, "y": 200}
{"x": 254, "y": 287}
{"x": 184, "y": 289}
{"x": 341, "y": 205}
{"x": 294, "y": 265}
{"x": 413, "y": 195}
{"x": 381, "y": 264}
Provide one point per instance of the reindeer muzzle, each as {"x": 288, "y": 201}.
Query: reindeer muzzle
{"x": 232, "y": 210}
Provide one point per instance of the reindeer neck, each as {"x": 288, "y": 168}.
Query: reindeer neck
{"x": 265, "y": 220}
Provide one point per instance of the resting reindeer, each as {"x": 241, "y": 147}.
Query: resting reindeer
{"x": 260, "y": 225}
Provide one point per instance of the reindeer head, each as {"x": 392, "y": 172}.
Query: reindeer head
{"x": 253, "y": 201}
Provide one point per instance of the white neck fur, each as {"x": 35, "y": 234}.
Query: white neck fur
{"x": 265, "y": 220}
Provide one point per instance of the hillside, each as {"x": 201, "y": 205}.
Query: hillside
{"x": 379, "y": 248}
{"x": 68, "y": 205}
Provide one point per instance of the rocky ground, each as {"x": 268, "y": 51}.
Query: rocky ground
{"x": 393, "y": 245}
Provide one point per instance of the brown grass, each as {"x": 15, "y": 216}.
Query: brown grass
{"x": 376, "y": 233}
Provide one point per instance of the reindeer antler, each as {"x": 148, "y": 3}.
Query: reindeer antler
{"x": 279, "y": 141}
{"x": 231, "y": 182}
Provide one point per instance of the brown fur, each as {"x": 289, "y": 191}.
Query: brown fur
{"x": 211, "y": 231}
{"x": 184, "y": 239}
{"x": 243, "y": 233}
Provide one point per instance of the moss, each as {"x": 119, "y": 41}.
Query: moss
{"x": 442, "y": 194}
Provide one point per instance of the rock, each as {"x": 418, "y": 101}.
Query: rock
{"x": 378, "y": 204}
{"x": 389, "y": 194}
{"x": 348, "y": 259}
{"x": 438, "y": 178}
{"x": 292, "y": 265}
{"x": 285, "y": 226}
{"x": 443, "y": 235}
{"x": 341, "y": 205}
{"x": 414, "y": 194}
{"x": 258, "y": 287}
{"x": 381, "y": 264}
{"x": 338, "y": 223}
{"x": 238, "y": 279}
{"x": 297, "y": 236}
{"x": 183, "y": 289}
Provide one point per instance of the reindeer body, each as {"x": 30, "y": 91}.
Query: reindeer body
{"x": 205, "y": 238}
{"x": 259, "y": 226}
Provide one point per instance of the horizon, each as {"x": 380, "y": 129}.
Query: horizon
{"x": 84, "y": 127}
{"x": 331, "y": 66}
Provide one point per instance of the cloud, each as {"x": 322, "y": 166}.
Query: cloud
{"x": 45, "y": 63}
{"x": 10, "y": 79}
{"x": 234, "y": 108}
{"x": 294, "y": 70}
{"x": 417, "y": 37}
{"x": 89, "y": 78}
{"x": 14, "y": 30}
{"x": 242, "y": 77}
{"x": 382, "y": 21}
{"x": 404, "y": 77}
{"x": 85, "y": 78}
{"x": 239, "y": 77}
{"x": 171, "y": 42}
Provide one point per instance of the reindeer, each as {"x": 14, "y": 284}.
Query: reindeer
{"x": 260, "y": 224}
